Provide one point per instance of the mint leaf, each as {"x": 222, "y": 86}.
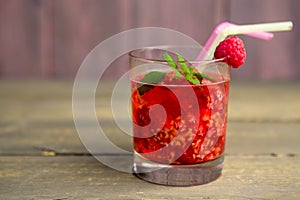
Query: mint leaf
{"x": 183, "y": 64}
{"x": 193, "y": 79}
{"x": 189, "y": 72}
{"x": 172, "y": 64}
{"x": 153, "y": 77}
{"x": 150, "y": 78}
{"x": 184, "y": 70}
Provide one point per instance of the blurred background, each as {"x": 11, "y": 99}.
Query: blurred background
{"x": 49, "y": 39}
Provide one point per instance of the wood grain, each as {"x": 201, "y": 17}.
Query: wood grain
{"x": 42, "y": 157}
{"x": 73, "y": 177}
{"x": 51, "y": 38}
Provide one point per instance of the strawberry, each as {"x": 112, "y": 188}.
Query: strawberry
{"x": 232, "y": 50}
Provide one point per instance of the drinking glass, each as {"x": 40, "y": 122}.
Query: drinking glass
{"x": 179, "y": 127}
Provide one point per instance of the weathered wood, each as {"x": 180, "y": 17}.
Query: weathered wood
{"x": 41, "y": 156}
{"x": 73, "y": 177}
{"x": 37, "y": 116}
{"x": 35, "y": 38}
{"x": 61, "y": 137}
{"x": 264, "y": 102}
{"x": 48, "y": 100}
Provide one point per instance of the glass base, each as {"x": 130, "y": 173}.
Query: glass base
{"x": 178, "y": 175}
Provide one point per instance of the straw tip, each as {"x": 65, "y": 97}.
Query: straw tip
{"x": 290, "y": 25}
{"x": 287, "y": 24}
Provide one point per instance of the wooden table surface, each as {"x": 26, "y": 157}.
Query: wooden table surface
{"x": 42, "y": 157}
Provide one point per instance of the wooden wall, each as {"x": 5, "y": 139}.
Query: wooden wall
{"x": 50, "y": 38}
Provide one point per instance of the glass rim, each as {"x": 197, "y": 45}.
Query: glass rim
{"x": 166, "y": 47}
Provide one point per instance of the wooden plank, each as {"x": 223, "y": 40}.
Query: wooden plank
{"x": 264, "y": 101}
{"x": 263, "y": 138}
{"x": 37, "y": 137}
{"x": 261, "y": 63}
{"x": 47, "y": 38}
{"x": 261, "y": 161}
{"x": 19, "y": 37}
{"x": 249, "y": 101}
{"x": 73, "y": 177}
{"x": 37, "y": 116}
{"x": 76, "y": 31}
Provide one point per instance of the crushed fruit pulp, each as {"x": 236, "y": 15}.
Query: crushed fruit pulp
{"x": 179, "y": 134}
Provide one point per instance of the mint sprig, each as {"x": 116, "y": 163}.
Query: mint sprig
{"x": 172, "y": 64}
{"x": 188, "y": 72}
{"x": 180, "y": 67}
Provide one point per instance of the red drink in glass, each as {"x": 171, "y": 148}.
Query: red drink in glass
{"x": 179, "y": 124}
{"x": 199, "y": 142}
